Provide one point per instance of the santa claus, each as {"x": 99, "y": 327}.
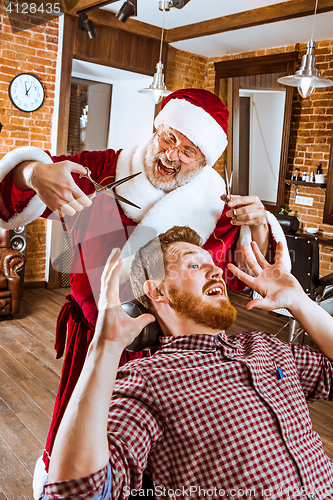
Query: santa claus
{"x": 177, "y": 186}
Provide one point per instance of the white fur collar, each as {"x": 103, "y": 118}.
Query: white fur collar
{"x": 138, "y": 190}
{"x": 196, "y": 204}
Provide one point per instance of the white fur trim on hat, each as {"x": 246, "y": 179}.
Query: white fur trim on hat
{"x": 197, "y": 125}
{"x": 35, "y": 207}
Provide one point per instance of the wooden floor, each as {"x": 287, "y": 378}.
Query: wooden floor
{"x": 29, "y": 377}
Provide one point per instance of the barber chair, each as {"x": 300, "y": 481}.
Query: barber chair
{"x": 11, "y": 261}
{"x": 304, "y": 256}
{"x": 148, "y": 340}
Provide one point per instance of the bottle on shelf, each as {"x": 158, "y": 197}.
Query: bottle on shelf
{"x": 320, "y": 178}
{"x": 304, "y": 176}
{"x": 295, "y": 175}
{"x": 311, "y": 177}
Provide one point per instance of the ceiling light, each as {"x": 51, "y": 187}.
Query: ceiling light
{"x": 307, "y": 77}
{"x": 128, "y": 9}
{"x": 158, "y": 89}
{"x": 179, "y": 4}
{"x": 85, "y": 24}
{"x": 167, "y": 4}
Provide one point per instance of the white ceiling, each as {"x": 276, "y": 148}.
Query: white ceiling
{"x": 259, "y": 37}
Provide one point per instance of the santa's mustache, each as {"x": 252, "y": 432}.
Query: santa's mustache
{"x": 168, "y": 163}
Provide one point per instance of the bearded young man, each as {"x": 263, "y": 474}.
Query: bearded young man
{"x": 206, "y": 415}
{"x": 177, "y": 186}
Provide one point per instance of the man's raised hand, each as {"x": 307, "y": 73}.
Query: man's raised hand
{"x": 113, "y": 324}
{"x": 54, "y": 184}
{"x": 273, "y": 282}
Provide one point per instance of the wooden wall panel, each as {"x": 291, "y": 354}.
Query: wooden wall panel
{"x": 266, "y": 81}
{"x": 120, "y": 49}
{"x": 65, "y": 84}
{"x": 274, "y": 63}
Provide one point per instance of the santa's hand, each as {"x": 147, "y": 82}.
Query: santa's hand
{"x": 246, "y": 210}
{"x": 55, "y": 185}
{"x": 113, "y": 324}
{"x": 273, "y": 282}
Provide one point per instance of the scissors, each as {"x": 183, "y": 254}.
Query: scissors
{"x": 109, "y": 189}
{"x": 229, "y": 190}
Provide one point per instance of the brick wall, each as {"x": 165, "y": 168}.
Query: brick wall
{"x": 32, "y": 50}
{"x": 185, "y": 70}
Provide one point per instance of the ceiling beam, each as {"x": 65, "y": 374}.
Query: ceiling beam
{"x": 291, "y": 9}
{"x": 107, "y": 18}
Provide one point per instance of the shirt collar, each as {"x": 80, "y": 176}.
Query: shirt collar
{"x": 202, "y": 342}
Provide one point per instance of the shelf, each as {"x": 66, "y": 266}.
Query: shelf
{"x": 305, "y": 183}
{"x": 325, "y": 240}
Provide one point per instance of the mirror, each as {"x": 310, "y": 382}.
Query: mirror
{"x": 259, "y": 123}
{"x": 260, "y": 127}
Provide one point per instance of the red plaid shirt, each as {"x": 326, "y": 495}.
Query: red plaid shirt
{"x": 208, "y": 417}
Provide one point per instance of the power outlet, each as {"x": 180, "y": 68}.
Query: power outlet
{"x": 304, "y": 200}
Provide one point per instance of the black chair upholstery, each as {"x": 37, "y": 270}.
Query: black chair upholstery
{"x": 148, "y": 339}
{"x": 304, "y": 256}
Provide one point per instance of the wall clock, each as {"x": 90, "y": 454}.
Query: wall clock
{"x": 26, "y": 92}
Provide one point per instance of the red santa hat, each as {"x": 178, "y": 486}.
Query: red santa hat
{"x": 199, "y": 115}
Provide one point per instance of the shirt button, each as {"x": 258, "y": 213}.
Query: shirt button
{"x": 261, "y": 391}
{"x": 288, "y": 440}
{"x": 313, "y": 497}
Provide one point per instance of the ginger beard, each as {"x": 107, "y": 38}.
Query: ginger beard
{"x": 165, "y": 174}
{"x": 219, "y": 315}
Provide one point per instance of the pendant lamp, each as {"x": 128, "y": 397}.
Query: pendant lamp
{"x": 307, "y": 77}
{"x": 158, "y": 89}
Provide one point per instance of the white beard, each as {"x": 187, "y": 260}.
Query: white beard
{"x": 175, "y": 180}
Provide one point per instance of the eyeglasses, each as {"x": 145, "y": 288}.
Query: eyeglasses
{"x": 167, "y": 140}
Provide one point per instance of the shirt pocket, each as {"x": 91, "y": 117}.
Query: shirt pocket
{"x": 291, "y": 392}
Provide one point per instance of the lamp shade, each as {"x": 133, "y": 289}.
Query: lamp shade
{"x": 157, "y": 89}
{"x": 307, "y": 77}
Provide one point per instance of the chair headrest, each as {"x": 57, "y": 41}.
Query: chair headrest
{"x": 289, "y": 223}
{"x": 149, "y": 336}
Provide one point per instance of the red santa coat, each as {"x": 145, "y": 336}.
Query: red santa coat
{"x": 107, "y": 224}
